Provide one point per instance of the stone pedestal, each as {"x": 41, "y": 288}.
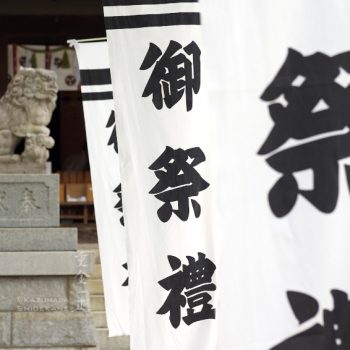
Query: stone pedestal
{"x": 25, "y": 168}
{"x": 29, "y": 200}
{"x": 44, "y": 302}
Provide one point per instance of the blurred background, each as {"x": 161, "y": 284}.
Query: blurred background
{"x": 34, "y": 34}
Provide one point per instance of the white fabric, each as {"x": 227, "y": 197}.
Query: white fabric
{"x": 263, "y": 257}
{"x": 143, "y": 134}
{"x": 259, "y": 257}
{"x": 105, "y": 174}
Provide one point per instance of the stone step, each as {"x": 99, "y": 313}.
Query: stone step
{"x": 95, "y": 286}
{"x": 88, "y": 246}
{"x": 49, "y": 330}
{"x": 111, "y": 343}
{"x": 38, "y": 239}
{"x": 91, "y": 247}
{"x": 97, "y": 303}
{"x": 97, "y": 272}
{"x": 100, "y": 319}
{"x": 54, "y": 263}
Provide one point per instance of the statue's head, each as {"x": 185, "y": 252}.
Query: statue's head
{"x": 45, "y": 84}
{"x": 29, "y": 83}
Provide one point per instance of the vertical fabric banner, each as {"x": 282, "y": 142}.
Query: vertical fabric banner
{"x": 270, "y": 175}
{"x": 103, "y": 150}
{"x": 164, "y": 134}
{"x": 279, "y": 86}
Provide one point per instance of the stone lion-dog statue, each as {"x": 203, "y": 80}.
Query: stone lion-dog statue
{"x": 25, "y": 111}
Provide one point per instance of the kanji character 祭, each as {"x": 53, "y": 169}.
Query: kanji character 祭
{"x": 175, "y": 73}
{"x": 189, "y": 286}
{"x": 309, "y": 97}
{"x": 334, "y": 334}
{"x": 178, "y": 182}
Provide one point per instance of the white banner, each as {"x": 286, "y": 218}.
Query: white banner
{"x": 103, "y": 150}
{"x": 235, "y": 175}
{"x": 279, "y": 85}
{"x": 164, "y": 133}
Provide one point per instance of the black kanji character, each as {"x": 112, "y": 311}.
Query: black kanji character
{"x": 176, "y": 72}
{"x": 119, "y": 205}
{"x": 113, "y": 138}
{"x": 334, "y": 334}
{"x": 309, "y": 97}
{"x": 182, "y": 179}
{"x": 196, "y": 279}
{"x": 126, "y": 282}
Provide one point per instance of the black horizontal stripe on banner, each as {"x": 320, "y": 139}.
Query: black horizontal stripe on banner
{"x": 142, "y": 2}
{"x": 97, "y": 96}
{"x": 161, "y": 20}
{"x": 95, "y": 76}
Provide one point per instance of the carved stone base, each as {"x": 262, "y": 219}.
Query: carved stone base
{"x": 44, "y": 294}
{"x": 64, "y": 329}
{"x": 45, "y": 263}
{"x": 29, "y": 200}
{"x": 44, "y": 300}
{"x": 38, "y": 239}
